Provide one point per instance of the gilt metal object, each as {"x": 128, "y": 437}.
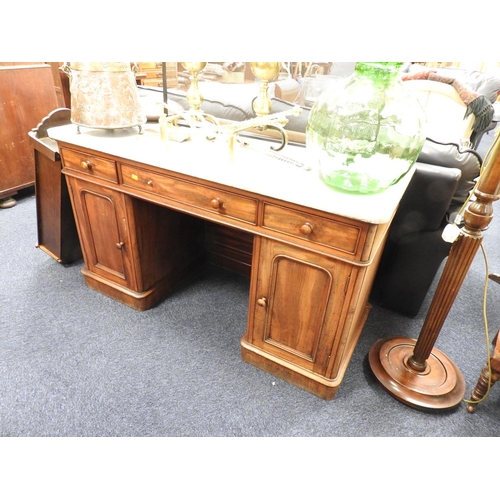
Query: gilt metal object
{"x": 265, "y": 72}
{"x": 275, "y": 121}
{"x": 194, "y": 97}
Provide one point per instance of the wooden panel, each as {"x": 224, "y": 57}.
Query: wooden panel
{"x": 301, "y": 287}
{"x": 229, "y": 248}
{"x": 48, "y": 189}
{"x": 101, "y": 212}
{"x": 168, "y": 242}
{"x": 27, "y": 95}
{"x": 57, "y": 234}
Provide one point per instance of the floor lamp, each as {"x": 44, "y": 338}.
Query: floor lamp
{"x": 414, "y": 371}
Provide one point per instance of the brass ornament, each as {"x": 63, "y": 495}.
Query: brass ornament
{"x": 265, "y": 72}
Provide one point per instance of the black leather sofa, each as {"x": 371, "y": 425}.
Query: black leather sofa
{"x": 415, "y": 249}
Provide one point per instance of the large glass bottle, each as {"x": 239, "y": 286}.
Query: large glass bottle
{"x": 365, "y": 135}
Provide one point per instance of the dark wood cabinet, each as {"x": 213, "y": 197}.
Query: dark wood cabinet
{"x": 27, "y": 95}
{"x": 56, "y": 228}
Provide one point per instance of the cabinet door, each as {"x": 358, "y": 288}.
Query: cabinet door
{"x": 104, "y": 235}
{"x": 299, "y": 304}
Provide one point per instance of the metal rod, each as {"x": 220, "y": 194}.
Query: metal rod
{"x": 164, "y": 84}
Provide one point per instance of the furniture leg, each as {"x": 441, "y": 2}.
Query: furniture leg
{"x": 485, "y": 382}
{"x": 8, "y": 202}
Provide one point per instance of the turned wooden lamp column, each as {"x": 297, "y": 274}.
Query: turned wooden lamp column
{"x": 413, "y": 371}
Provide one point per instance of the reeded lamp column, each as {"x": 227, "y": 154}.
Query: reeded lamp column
{"x": 414, "y": 371}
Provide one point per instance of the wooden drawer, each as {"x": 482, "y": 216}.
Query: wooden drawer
{"x": 90, "y": 164}
{"x": 337, "y": 235}
{"x": 196, "y": 195}
{"x": 153, "y": 82}
{"x": 145, "y": 66}
{"x": 171, "y": 73}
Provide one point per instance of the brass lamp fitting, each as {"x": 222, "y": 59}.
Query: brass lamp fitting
{"x": 265, "y": 72}
{"x": 194, "y": 98}
{"x": 276, "y": 121}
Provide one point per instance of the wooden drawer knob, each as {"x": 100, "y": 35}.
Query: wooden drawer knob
{"x": 86, "y": 165}
{"x": 120, "y": 245}
{"x": 262, "y": 302}
{"x": 150, "y": 183}
{"x": 216, "y": 203}
{"x": 306, "y": 229}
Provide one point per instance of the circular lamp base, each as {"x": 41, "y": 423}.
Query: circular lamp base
{"x": 440, "y": 386}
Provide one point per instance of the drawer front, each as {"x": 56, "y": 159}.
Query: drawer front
{"x": 337, "y": 235}
{"x": 171, "y": 73}
{"x": 156, "y": 65}
{"x": 196, "y": 195}
{"x": 144, "y": 66}
{"x": 158, "y": 82}
{"x": 154, "y": 74}
{"x": 90, "y": 164}
{"x": 153, "y": 82}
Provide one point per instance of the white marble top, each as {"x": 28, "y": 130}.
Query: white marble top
{"x": 250, "y": 170}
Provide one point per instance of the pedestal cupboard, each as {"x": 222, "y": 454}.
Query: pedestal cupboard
{"x": 135, "y": 252}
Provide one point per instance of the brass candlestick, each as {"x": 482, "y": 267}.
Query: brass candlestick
{"x": 265, "y": 72}
{"x": 194, "y": 98}
{"x": 193, "y": 95}
{"x": 414, "y": 372}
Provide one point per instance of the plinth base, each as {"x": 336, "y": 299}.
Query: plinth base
{"x": 440, "y": 386}
{"x": 304, "y": 379}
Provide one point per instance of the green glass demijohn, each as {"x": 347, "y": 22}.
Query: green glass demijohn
{"x": 365, "y": 134}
